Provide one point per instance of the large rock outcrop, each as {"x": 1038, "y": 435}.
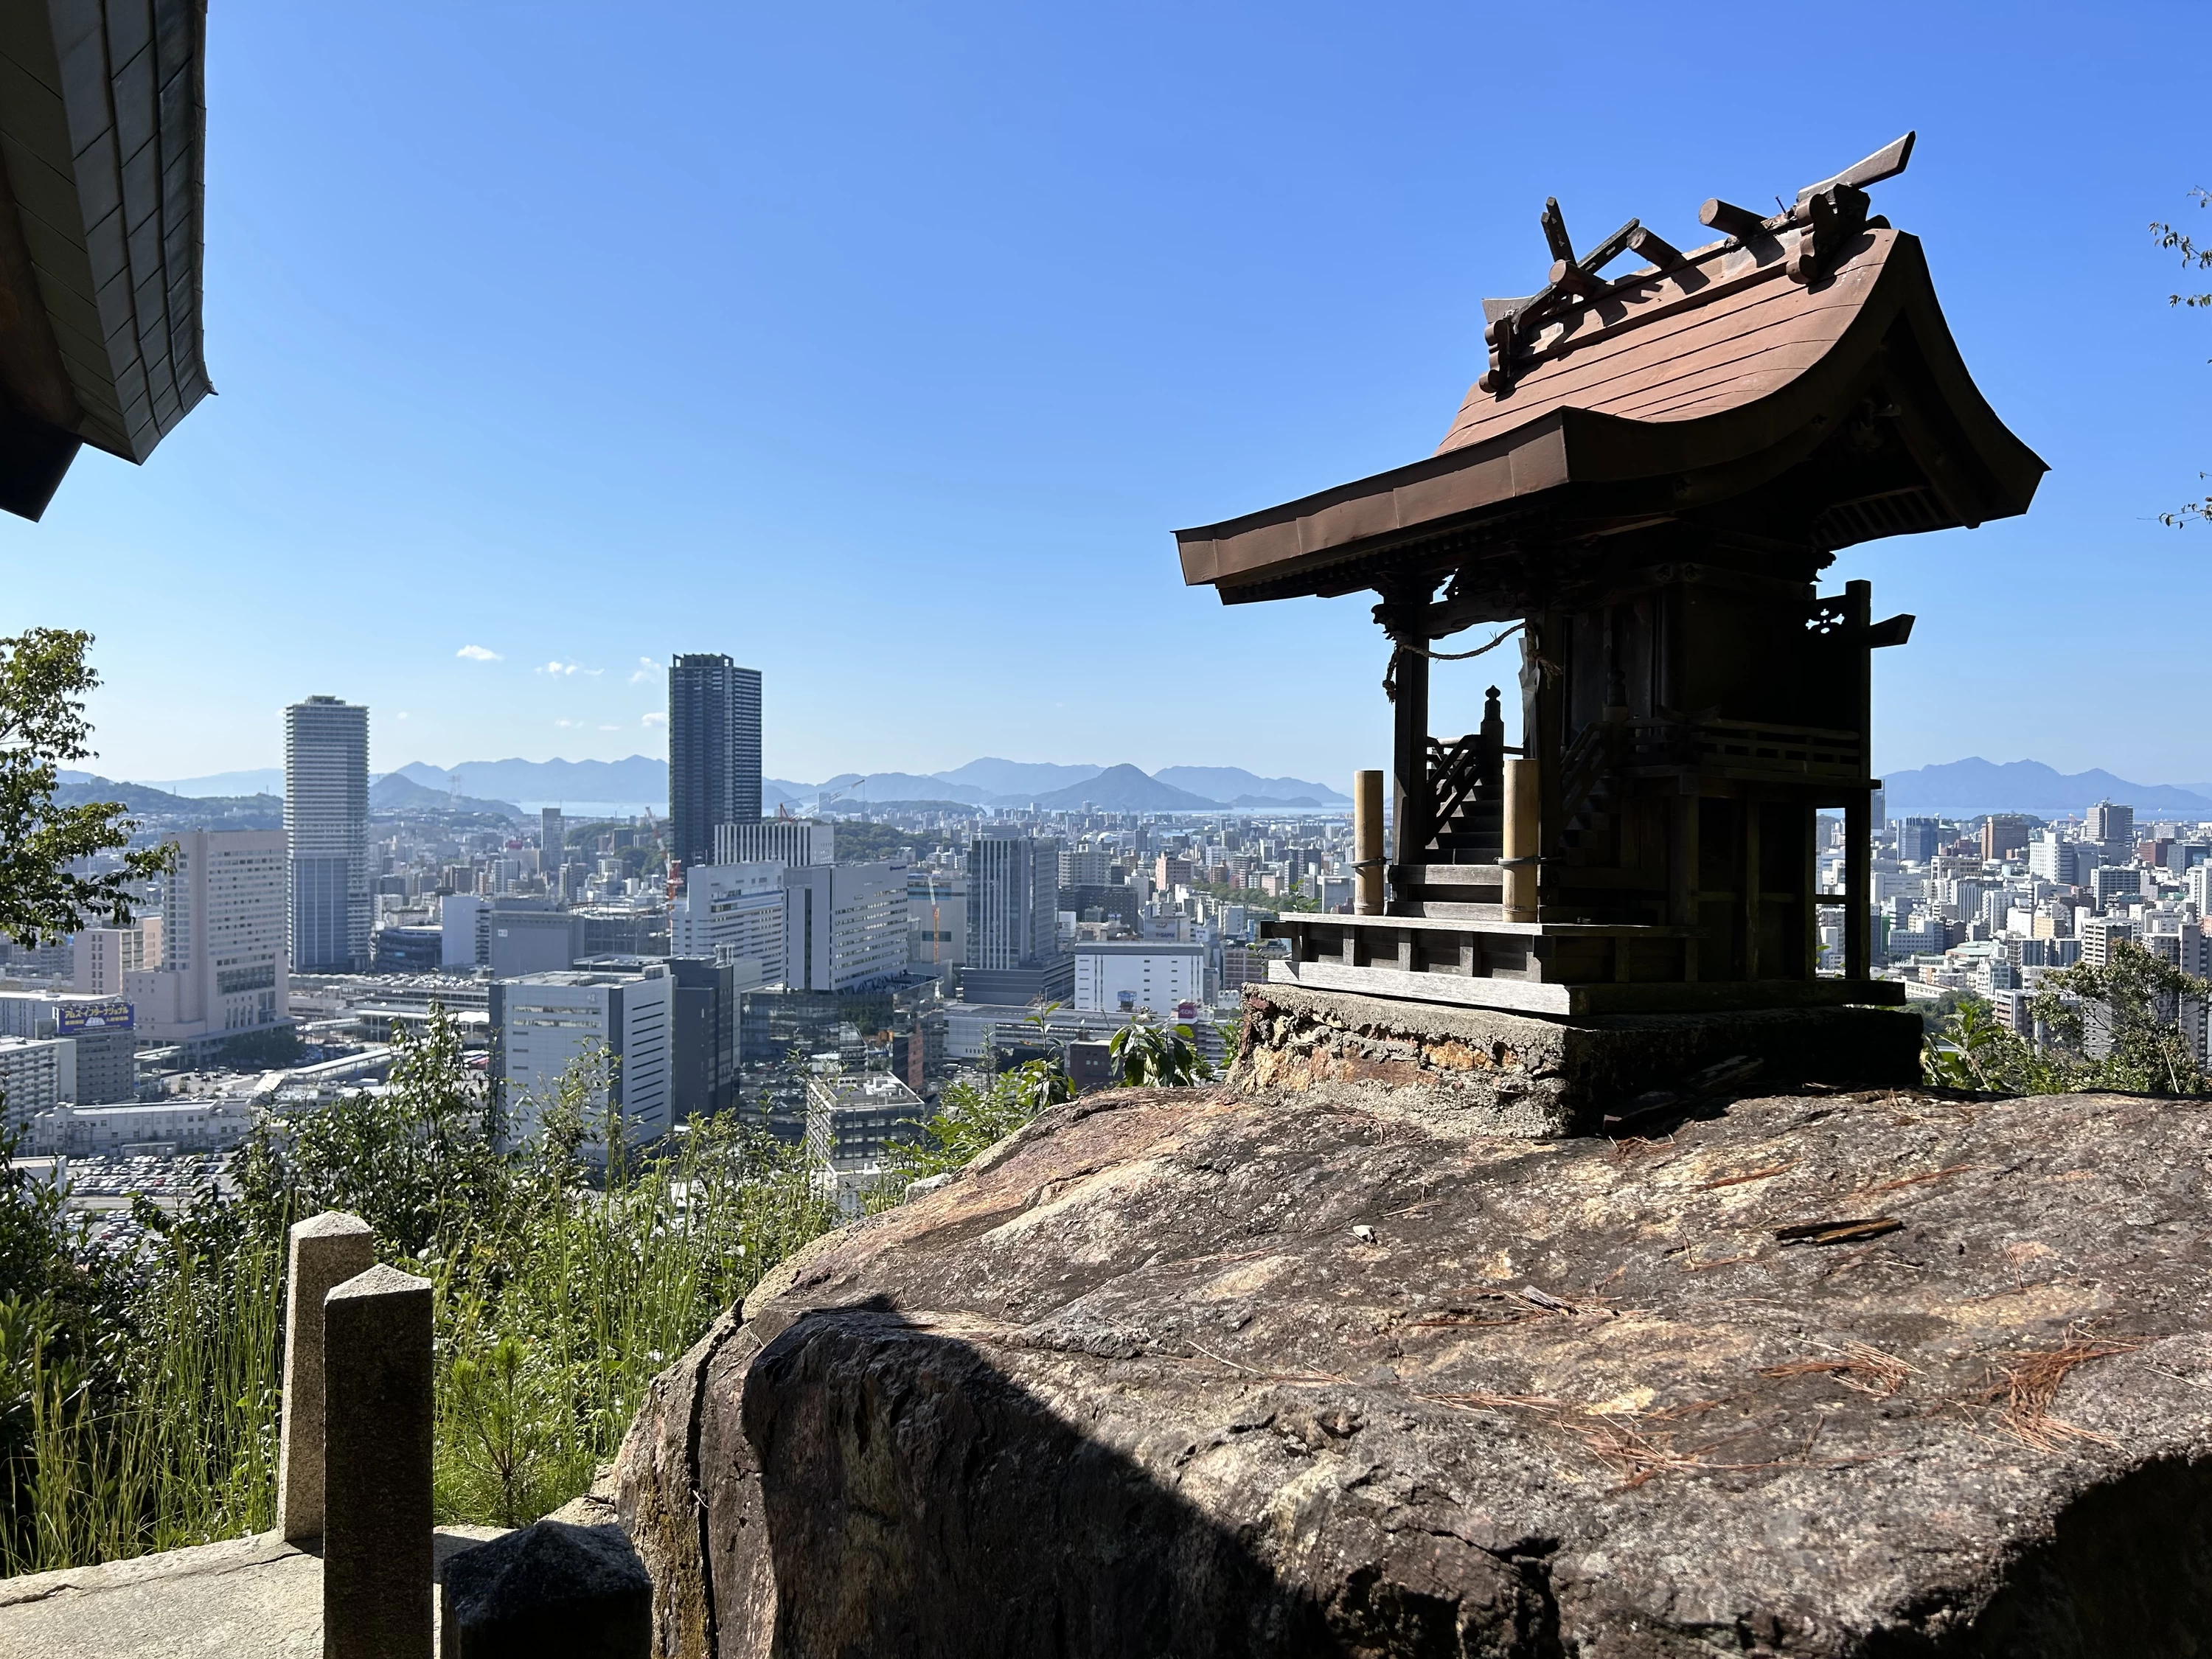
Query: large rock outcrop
{"x": 1176, "y": 1373}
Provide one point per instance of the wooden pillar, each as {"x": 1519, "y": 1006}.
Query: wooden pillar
{"x": 1747, "y": 882}
{"x": 1683, "y": 902}
{"x": 1367, "y": 853}
{"x": 1858, "y": 837}
{"x": 1858, "y": 813}
{"x": 1413, "y": 795}
{"x": 1808, "y": 887}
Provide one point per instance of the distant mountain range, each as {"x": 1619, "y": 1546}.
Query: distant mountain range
{"x": 1969, "y": 787}
{"x": 642, "y": 781}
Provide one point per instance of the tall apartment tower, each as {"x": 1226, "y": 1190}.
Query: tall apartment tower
{"x": 714, "y": 751}
{"x": 552, "y": 842}
{"x": 326, "y": 831}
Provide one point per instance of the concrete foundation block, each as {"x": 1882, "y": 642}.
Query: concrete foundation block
{"x": 324, "y": 1251}
{"x": 550, "y": 1591}
{"x": 1481, "y": 1071}
{"x": 376, "y": 1467}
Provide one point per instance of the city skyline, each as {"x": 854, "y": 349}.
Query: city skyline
{"x": 1082, "y": 386}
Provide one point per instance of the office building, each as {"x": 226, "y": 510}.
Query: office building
{"x": 1013, "y": 923}
{"x": 552, "y": 842}
{"x": 2113, "y": 827}
{"x": 703, "y": 1048}
{"x": 462, "y": 950}
{"x": 223, "y": 924}
{"x": 327, "y": 836}
{"x": 186, "y": 1124}
{"x": 713, "y": 753}
{"x": 2056, "y": 861}
{"x": 1013, "y": 901}
{"x": 103, "y": 1062}
{"x": 407, "y": 949}
{"x": 2109, "y": 881}
{"x": 1085, "y": 867}
{"x": 851, "y": 1124}
{"x": 775, "y": 841}
{"x": 1917, "y": 839}
{"x": 103, "y": 954}
{"x": 844, "y": 926}
{"x": 728, "y": 912}
{"x": 544, "y": 1022}
{"x": 2099, "y": 934}
{"x": 1112, "y": 978}
{"x": 36, "y": 1075}
{"x": 529, "y": 936}
{"x": 2005, "y": 835}
{"x": 936, "y": 919}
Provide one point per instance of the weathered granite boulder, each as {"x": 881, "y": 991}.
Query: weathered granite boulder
{"x": 1175, "y": 1372}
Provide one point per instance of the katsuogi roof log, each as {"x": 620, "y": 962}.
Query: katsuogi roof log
{"x": 1795, "y": 382}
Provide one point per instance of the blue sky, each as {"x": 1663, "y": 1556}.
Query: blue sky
{"x": 884, "y": 347}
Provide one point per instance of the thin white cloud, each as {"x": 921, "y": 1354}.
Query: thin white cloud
{"x": 477, "y": 654}
{"x": 656, "y": 718}
{"x": 567, "y": 725}
{"x": 645, "y": 669}
{"x": 557, "y": 667}
{"x": 402, "y": 714}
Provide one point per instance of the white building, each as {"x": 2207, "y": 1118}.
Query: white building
{"x": 459, "y": 928}
{"x": 223, "y": 963}
{"x": 189, "y": 1124}
{"x": 104, "y": 954}
{"x": 775, "y": 841}
{"x": 1153, "y": 974}
{"x": 36, "y": 1075}
{"x": 844, "y": 924}
{"x": 546, "y": 1021}
{"x": 729, "y": 912}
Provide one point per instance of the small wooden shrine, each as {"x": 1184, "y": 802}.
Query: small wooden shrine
{"x": 1647, "y": 482}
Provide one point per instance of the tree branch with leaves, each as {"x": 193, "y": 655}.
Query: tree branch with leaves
{"x": 2193, "y": 258}
{"x": 43, "y": 683}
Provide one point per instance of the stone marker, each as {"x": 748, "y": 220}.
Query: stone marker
{"x": 325, "y": 1251}
{"x": 376, "y": 1467}
{"x": 550, "y": 1591}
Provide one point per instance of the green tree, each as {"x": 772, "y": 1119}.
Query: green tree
{"x": 2129, "y": 1006}
{"x": 419, "y": 1162}
{"x": 2193, "y": 258}
{"x": 44, "y": 682}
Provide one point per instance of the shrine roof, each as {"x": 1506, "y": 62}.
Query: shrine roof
{"x": 1694, "y": 384}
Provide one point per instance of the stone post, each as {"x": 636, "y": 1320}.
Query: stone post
{"x": 325, "y": 1251}
{"x": 376, "y": 1467}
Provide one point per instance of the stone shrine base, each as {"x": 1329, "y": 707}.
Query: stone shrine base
{"x": 1482, "y": 1071}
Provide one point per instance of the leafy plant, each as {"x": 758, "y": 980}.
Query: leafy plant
{"x": 1971, "y": 1050}
{"x": 1148, "y": 1055}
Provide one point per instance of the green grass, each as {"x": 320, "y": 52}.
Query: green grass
{"x": 140, "y": 1400}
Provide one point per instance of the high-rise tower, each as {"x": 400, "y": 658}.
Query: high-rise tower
{"x": 327, "y": 836}
{"x": 714, "y": 751}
